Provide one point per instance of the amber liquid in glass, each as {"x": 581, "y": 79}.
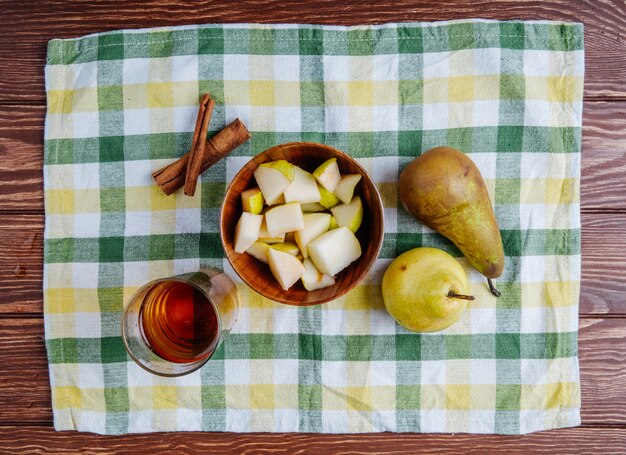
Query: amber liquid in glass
{"x": 178, "y": 322}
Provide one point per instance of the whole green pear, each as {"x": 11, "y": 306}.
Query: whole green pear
{"x": 425, "y": 290}
{"x": 444, "y": 190}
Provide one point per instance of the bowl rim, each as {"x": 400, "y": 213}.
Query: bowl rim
{"x": 379, "y": 241}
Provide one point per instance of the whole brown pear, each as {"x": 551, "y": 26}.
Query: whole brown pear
{"x": 444, "y": 190}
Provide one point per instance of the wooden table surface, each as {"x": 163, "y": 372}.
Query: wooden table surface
{"x": 25, "y": 28}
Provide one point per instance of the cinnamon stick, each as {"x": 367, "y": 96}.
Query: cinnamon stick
{"x": 198, "y": 143}
{"x": 172, "y": 176}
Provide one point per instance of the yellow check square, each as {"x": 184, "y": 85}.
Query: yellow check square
{"x": 461, "y": 88}
{"x": 361, "y": 93}
{"x": 262, "y": 93}
{"x": 160, "y": 94}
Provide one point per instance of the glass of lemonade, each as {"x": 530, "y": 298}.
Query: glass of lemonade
{"x": 172, "y": 326}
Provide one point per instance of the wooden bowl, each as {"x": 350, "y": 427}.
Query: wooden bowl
{"x": 307, "y": 155}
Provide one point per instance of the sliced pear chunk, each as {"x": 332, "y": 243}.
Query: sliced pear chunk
{"x": 273, "y": 178}
{"x": 313, "y": 279}
{"x": 287, "y": 247}
{"x": 286, "y": 268}
{"x": 314, "y": 207}
{"x": 259, "y": 251}
{"x": 315, "y": 224}
{"x": 284, "y": 218}
{"x": 328, "y": 199}
{"x": 334, "y": 250}
{"x": 303, "y": 189}
{"x": 247, "y": 231}
{"x": 345, "y": 188}
{"x": 349, "y": 215}
{"x": 265, "y": 237}
{"x": 327, "y": 174}
{"x": 252, "y": 200}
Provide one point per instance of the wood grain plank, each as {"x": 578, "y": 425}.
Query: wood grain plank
{"x": 22, "y": 77}
{"x": 603, "y": 285}
{"x": 25, "y": 391}
{"x": 33, "y": 439}
{"x": 603, "y": 157}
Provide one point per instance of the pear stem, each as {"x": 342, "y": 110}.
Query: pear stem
{"x": 493, "y": 289}
{"x": 454, "y": 295}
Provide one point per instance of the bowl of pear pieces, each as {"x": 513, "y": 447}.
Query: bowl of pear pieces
{"x": 302, "y": 223}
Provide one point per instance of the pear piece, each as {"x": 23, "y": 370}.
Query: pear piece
{"x": 287, "y": 247}
{"x": 315, "y": 224}
{"x": 313, "y": 279}
{"x": 327, "y": 174}
{"x": 247, "y": 231}
{"x": 266, "y": 237}
{"x": 328, "y": 198}
{"x": 252, "y": 200}
{"x": 333, "y": 223}
{"x": 259, "y": 251}
{"x": 273, "y": 178}
{"x": 443, "y": 189}
{"x": 303, "y": 189}
{"x": 349, "y": 215}
{"x": 286, "y": 268}
{"x": 345, "y": 188}
{"x": 284, "y": 218}
{"x": 425, "y": 290}
{"x": 334, "y": 250}
{"x": 314, "y": 207}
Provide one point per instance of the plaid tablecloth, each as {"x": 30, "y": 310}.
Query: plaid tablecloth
{"x": 122, "y": 104}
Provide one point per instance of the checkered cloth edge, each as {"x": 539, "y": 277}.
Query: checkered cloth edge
{"x": 122, "y": 104}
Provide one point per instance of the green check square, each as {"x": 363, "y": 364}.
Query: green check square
{"x": 112, "y": 350}
{"x": 261, "y": 346}
{"x": 162, "y": 247}
{"x": 408, "y": 347}
{"x": 361, "y": 144}
{"x": 210, "y": 245}
{"x": 160, "y": 44}
{"x": 111, "y": 249}
{"x": 213, "y": 397}
{"x": 111, "y": 46}
{"x": 508, "y": 346}
{"x": 360, "y": 42}
{"x": 311, "y": 41}
{"x": 312, "y": 93}
{"x": 409, "y": 143}
{"x": 116, "y": 399}
{"x": 510, "y": 138}
{"x": 358, "y": 348}
{"x": 112, "y": 199}
{"x": 461, "y": 138}
{"x": 88, "y": 350}
{"x": 461, "y": 36}
{"x": 411, "y": 91}
{"x": 508, "y": 397}
{"x": 62, "y": 350}
{"x": 512, "y": 242}
{"x": 211, "y": 41}
{"x": 310, "y": 397}
{"x": 408, "y": 397}
{"x": 410, "y": 40}
{"x": 111, "y": 148}
{"x": 508, "y": 190}
{"x": 512, "y": 35}
{"x": 309, "y": 347}
{"x": 58, "y": 151}
{"x": 512, "y": 87}
{"x": 110, "y": 98}
{"x": 261, "y": 42}
{"x": 458, "y": 346}
{"x": 111, "y": 299}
